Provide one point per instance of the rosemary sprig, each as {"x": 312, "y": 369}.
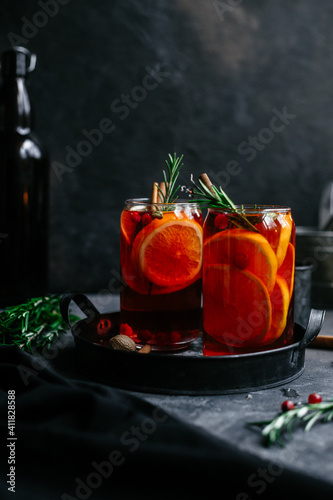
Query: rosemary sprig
{"x": 274, "y": 431}
{"x": 209, "y": 196}
{"x": 170, "y": 177}
{"x": 33, "y": 324}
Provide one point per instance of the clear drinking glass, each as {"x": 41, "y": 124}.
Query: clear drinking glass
{"x": 248, "y": 279}
{"x": 161, "y": 266}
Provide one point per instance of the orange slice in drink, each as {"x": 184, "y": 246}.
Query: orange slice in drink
{"x": 280, "y": 299}
{"x": 131, "y": 270}
{"x": 170, "y": 255}
{"x": 287, "y": 268}
{"x": 147, "y": 230}
{"x": 237, "y": 306}
{"x": 127, "y": 227}
{"x": 244, "y": 249}
{"x": 134, "y": 278}
{"x": 284, "y": 238}
{"x": 270, "y": 228}
{"x": 277, "y": 230}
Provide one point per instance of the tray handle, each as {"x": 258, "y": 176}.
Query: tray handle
{"x": 313, "y": 328}
{"x": 83, "y": 303}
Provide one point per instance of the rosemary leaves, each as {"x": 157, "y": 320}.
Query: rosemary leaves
{"x": 275, "y": 431}
{"x": 33, "y": 324}
{"x": 209, "y": 196}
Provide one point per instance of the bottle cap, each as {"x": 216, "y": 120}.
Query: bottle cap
{"x": 17, "y": 61}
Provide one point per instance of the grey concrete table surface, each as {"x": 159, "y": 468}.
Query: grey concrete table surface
{"x": 226, "y": 416}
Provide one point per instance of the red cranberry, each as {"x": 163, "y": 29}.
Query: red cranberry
{"x": 146, "y": 219}
{"x": 287, "y": 405}
{"x": 125, "y": 329}
{"x": 241, "y": 260}
{"x": 144, "y": 335}
{"x": 221, "y": 221}
{"x": 314, "y": 398}
{"x": 135, "y": 217}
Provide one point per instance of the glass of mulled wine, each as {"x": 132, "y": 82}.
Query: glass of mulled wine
{"x": 161, "y": 266}
{"x": 248, "y": 279}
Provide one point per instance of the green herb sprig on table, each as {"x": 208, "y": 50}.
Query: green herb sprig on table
{"x": 276, "y": 430}
{"x": 209, "y": 196}
{"x": 33, "y": 324}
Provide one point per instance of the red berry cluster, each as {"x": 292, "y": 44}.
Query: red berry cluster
{"x": 144, "y": 217}
{"x": 145, "y": 336}
{"x": 312, "y": 399}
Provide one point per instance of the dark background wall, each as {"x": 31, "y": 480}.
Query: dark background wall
{"x": 224, "y": 72}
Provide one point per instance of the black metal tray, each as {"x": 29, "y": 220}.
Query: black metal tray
{"x": 188, "y": 371}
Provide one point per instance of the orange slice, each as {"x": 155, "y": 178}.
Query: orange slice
{"x": 280, "y": 299}
{"x": 131, "y": 270}
{"x": 147, "y": 230}
{"x": 277, "y": 230}
{"x": 287, "y": 268}
{"x": 284, "y": 239}
{"x": 171, "y": 254}
{"x": 237, "y": 306}
{"x": 270, "y": 228}
{"x": 127, "y": 227}
{"x": 133, "y": 276}
{"x": 244, "y": 249}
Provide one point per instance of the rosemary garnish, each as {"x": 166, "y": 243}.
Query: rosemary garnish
{"x": 209, "y": 196}
{"x": 33, "y": 324}
{"x": 274, "y": 431}
{"x": 170, "y": 177}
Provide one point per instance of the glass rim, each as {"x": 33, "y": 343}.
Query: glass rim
{"x": 147, "y": 201}
{"x": 252, "y": 209}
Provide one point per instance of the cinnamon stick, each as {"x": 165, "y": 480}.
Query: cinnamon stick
{"x": 162, "y": 194}
{"x": 206, "y": 180}
{"x": 154, "y": 196}
{"x": 323, "y": 342}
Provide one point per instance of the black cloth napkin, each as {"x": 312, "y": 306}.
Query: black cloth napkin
{"x": 81, "y": 440}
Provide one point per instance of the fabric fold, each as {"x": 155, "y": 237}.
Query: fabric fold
{"x": 83, "y": 440}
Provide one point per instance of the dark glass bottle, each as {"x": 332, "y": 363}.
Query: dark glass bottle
{"x": 24, "y": 183}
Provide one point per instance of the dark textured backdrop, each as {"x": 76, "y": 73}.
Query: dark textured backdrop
{"x": 242, "y": 88}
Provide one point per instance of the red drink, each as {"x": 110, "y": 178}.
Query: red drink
{"x": 248, "y": 280}
{"x": 161, "y": 258}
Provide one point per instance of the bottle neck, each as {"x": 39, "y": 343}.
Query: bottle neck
{"x": 15, "y": 107}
